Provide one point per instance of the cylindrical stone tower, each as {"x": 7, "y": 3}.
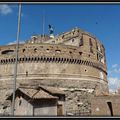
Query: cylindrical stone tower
{"x": 74, "y": 61}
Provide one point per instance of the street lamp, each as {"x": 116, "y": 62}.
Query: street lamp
{"x": 15, "y": 69}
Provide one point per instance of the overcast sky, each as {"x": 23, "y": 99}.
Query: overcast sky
{"x": 103, "y": 21}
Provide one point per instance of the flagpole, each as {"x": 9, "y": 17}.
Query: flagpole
{"x": 16, "y": 61}
{"x": 43, "y": 24}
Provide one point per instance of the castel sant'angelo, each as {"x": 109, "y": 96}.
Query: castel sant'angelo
{"x": 73, "y": 62}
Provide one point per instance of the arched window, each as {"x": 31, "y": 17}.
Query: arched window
{"x": 23, "y": 50}
{"x": 35, "y": 50}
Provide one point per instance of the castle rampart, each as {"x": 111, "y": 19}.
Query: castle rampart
{"x": 73, "y": 60}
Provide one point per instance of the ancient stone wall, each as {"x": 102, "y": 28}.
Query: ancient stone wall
{"x": 105, "y": 105}
{"x": 75, "y": 62}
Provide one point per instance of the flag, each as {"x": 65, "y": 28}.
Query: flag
{"x": 51, "y": 31}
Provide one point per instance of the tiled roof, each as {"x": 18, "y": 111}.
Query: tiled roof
{"x": 53, "y": 90}
{"x": 37, "y": 94}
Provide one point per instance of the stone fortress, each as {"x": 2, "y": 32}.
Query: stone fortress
{"x": 73, "y": 61}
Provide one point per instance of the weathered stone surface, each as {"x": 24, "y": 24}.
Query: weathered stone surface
{"x": 74, "y": 62}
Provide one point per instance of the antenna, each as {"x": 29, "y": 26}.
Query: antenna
{"x": 43, "y": 23}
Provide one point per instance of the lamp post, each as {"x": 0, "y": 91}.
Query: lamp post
{"x": 16, "y": 60}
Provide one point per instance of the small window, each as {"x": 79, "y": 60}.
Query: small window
{"x": 90, "y": 42}
{"x": 96, "y": 46}
{"x": 35, "y": 50}
{"x": 72, "y": 40}
{"x": 70, "y": 52}
{"x": 80, "y": 53}
{"x": 110, "y": 107}
{"x": 26, "y": 73}
{"x": 23, "y": 50}
{"x": 91, "y": 50}
{"x": 4, "y": 107}
{"x": 78, "y": 105}
{"x": 99, "y": 57}
{"x": 81, "y": 42}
